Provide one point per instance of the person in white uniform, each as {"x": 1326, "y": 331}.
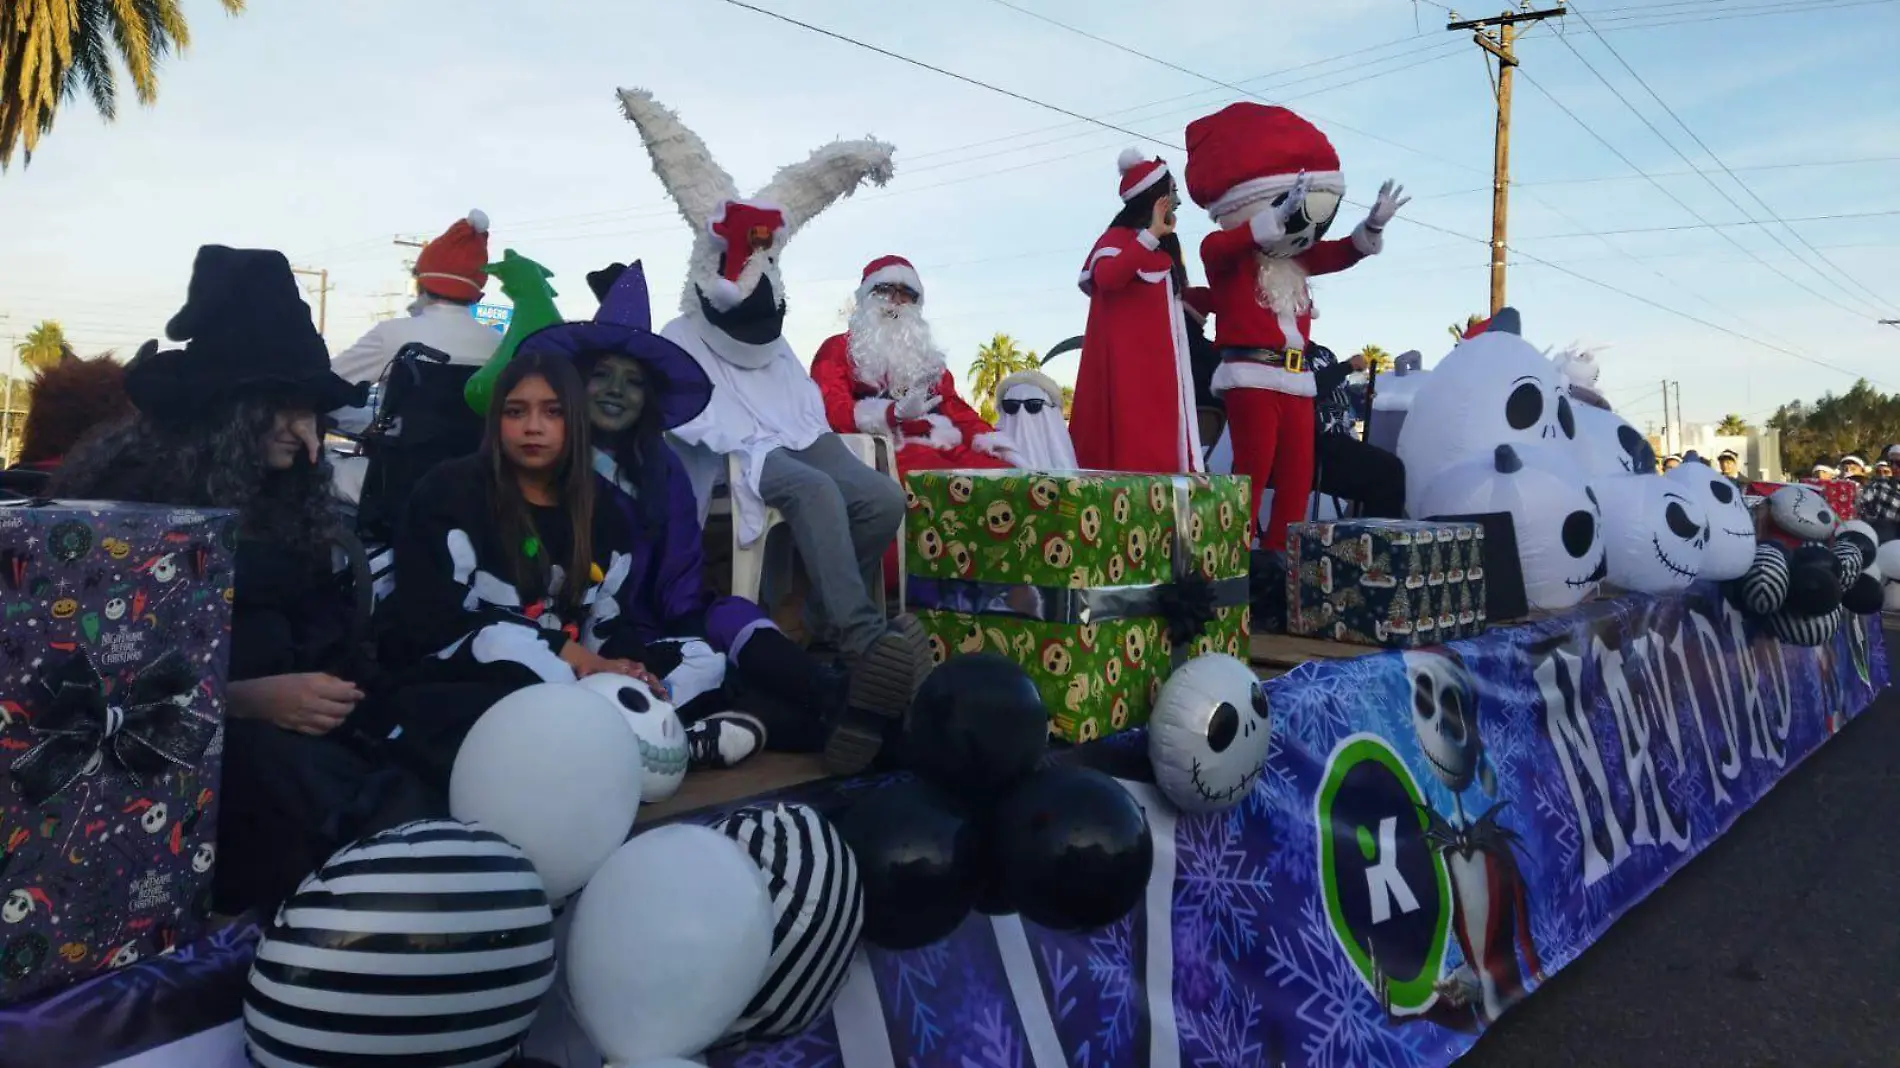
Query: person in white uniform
{"x": 765, "y": 408}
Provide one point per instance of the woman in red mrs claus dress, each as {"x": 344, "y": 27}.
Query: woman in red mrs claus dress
{"x": 1134, "y": 394}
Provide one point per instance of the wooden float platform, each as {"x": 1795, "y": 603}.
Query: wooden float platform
{"x": 1271, "y": 655}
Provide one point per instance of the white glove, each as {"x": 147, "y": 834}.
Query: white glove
{"x": 1295, "y": 198}
{"x": 1391, "y": 199}
{"x": 916, "y": 405}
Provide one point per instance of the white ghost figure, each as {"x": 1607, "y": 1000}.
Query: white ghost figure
{"x": 1029, "y": 413}
{"x": 1887, "y": 559}
{"x": 1655, "y": 534}
{"x": 1558, "y": 525}
{"x": 206, "y": 855}
{"x": 1607, "y": 445}
{"x": 1731, "y": 529}
{"x": 153, "y": 820}
{"x": 663, "y": 752}
{"x": 19, "y": 905}
{"x": 1493, "y": 389}
{"x": 1209, "y": 732}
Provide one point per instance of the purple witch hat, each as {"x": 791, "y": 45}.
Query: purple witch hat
{"x": 623, "y": 326}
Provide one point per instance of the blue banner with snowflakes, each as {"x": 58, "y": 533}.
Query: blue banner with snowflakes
{"x": 1438, "y": 831}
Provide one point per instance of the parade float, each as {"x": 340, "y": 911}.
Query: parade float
{"x": 1142, "y": 825}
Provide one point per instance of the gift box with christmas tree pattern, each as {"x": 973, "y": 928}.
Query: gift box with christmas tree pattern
{"x": 1099, "y": 584}
{"x": 1397, "y": 583}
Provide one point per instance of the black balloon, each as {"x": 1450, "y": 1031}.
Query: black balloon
{"x": 1814, "y": 584}
{"x": 977, "y": 727}
{"x": 1072, "y": 849}
{"x": 1864, "y": 597}
{"x": 920, "y": 862}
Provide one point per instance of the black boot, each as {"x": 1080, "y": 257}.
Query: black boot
{"x": 883, "y": 680}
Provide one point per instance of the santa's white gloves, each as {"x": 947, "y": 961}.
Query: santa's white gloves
{"x": 1391, "y": 199}
{"x": 916, "y": 405}
{"x": 1270, "y": 226}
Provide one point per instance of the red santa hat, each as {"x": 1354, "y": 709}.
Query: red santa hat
{"x": 891, "y": 270}
{"x": 1139, "y": 173}
{"x": 1248, "y": 152}
{"x": 452, "y": 265}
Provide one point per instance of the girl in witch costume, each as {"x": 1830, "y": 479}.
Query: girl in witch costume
{"x": 1134, "y": 404}
{"x": 639, "y": 385}
{"x": 232, "y": 420}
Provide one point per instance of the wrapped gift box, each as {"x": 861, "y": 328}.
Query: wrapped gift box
{"x": 114, "y": 635}
{"x": 1075, "y": 578}
{"x": 1398, "y": 583}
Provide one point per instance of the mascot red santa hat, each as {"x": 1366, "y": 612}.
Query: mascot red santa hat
{"x": 1272, "y": 182}
{"x": 886, "y": 376}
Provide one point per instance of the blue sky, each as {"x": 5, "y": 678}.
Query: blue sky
{"x": 326, "y": 129}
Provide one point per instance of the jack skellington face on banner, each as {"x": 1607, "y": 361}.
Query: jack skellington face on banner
{"x": 1731, "y": 529}
{"x": 1493, "y": 389}
{"x": 1445, "y": 720}
{"x": 1656, "y": 537}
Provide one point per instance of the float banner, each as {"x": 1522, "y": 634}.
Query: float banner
{"x": 1439, "y": 830}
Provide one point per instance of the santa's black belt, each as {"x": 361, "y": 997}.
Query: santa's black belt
{"x": 1292, "y": 360}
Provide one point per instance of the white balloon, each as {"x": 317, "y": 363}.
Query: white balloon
{"x": 1887, "y": 559}
{"x": 553, "y": 769}
{"x": 1209, "y": 733}
{"x": 656, "y": 725}
{"x": 1655, "y": 536}
{"x": 670, "y": 940}
{"x": 1731, "y": 529}
{"x": 1558, "y": 525}
{"x": 1495, "y": 389}
{"x": 1608, "y": 445}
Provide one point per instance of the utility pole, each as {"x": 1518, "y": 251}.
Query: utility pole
{"x": 409, "y": 266}
{"x": 1499, "y": 42}
{"x": 1665, "y": 434}
{"x": 322, "y": 274}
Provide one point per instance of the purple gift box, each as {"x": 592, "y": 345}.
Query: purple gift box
{"x": 115, "y": 625}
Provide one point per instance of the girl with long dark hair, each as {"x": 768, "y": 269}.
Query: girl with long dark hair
{"x": 234, "y": 420}
{"x": 739, "y": 683}
{"x": 507, "y": 569}
{"x": 1134, "y": 404}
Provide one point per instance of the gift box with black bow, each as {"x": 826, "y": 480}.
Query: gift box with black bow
{"x": 1098, "y": 584}
{"x": 114, "y": 631}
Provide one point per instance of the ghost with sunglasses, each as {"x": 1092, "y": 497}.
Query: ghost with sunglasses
{"x": 1029, "y": 407}
{"x": 1272, "y": 183}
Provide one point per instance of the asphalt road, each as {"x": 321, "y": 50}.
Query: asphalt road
{"x": 1778, "y": 947}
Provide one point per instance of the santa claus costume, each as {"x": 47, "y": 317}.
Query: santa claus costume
{"x": 885, "y": 376}
{"x": 1272, "y": 182}
{"x": 1134, "y": 393}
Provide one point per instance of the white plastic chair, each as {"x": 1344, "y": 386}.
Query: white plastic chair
{"x": 748, "y": 561}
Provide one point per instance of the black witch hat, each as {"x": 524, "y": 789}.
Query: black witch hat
{"x": 247, "y": 333}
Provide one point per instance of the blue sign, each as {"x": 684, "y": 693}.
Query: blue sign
{"x": 494, "y": 315}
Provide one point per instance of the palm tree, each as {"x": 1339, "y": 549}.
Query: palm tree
{"x": 44, "y": 345}
{"x": 52, "y": 49}
{"x": 1377, "y": 358}
{"x": 1068, "y": 400}
{"x": 995, "y": 362}
{"x": 1732, "y": 425}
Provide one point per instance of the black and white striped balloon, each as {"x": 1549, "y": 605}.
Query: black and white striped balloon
{"x": 817, "y": 912}
{"x": 1765, "y": 585}
{"x": 1808, "y": 631}
{"x": 428, "y": 945}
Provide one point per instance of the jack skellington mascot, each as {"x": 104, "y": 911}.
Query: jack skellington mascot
{"x": 1490, "y": 903}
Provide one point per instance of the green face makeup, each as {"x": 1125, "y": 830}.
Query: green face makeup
{"x": 616, "y": 393}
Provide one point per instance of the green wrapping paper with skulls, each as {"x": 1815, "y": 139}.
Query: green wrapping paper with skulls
{"x": 1087, "y": 580}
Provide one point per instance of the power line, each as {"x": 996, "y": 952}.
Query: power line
{"x": 1637, "y": 22}
{"x": 1723, "y": 225}
{"x": 1671, "y": 112}
{"x": 1678, "y": 201}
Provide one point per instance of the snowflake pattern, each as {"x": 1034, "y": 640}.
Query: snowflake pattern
{"x": 1259, "y": 978}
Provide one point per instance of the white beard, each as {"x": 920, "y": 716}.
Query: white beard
{"x": 1281, "y": 285}
{"x": 891, "y": 348}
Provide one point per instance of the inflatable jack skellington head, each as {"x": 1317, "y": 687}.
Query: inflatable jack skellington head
{"x": 733, "y": 281}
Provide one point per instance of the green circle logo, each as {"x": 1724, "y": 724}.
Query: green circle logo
{"x": 1388, "y": 895}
